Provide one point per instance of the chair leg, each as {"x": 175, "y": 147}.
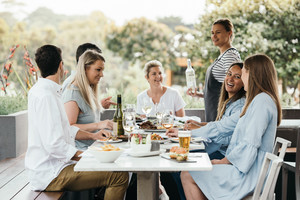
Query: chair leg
{"x": 297, "y": 185}
{"x": 284, "y": 183}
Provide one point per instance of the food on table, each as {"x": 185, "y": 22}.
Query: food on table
{"x": 178, "y": 153}
{"x": 111, "y": 138}
{"x": 173, "y": 152}
{"x": 155, "y": 136}
{"x": 123, "y": 137}
{"x": 109, "y": 147}
{"x": 147, "y": 125}
{"x": 138, "y": 118}
{"x": 182, "y": 154}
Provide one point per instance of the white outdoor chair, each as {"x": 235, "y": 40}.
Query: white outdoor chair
{"x": 281, "y": 144}
{"x": 268, "y": 175}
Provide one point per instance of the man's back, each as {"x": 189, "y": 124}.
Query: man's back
{"x": 51, "y": 138}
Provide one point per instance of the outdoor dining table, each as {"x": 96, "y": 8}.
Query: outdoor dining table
{"x": 146, "y": 168}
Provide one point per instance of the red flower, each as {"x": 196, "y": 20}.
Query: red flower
{"x": 2, "y": 88}
{"x": 7, "y": 67}
{"x": 4, "y": 76}
{"x": 11, "y": 55}
{"x": 7, "y": 84}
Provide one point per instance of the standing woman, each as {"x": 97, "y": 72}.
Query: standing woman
{"x": 81, "y": 99}
{"x": 222, "y": 34}
{"x": 236, "y": 175}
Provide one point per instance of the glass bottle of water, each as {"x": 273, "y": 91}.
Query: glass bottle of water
{"x": 190, "y": 76}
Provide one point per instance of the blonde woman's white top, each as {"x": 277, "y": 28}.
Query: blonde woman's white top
{"x": 170, "y": 100}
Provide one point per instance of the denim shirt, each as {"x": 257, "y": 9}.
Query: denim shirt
{"x": 220, "y": 131}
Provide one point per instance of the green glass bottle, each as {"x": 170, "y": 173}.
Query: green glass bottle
{"x": 118, "y": 116}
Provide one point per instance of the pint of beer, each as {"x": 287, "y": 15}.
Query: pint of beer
{"x": 184, "y": 139}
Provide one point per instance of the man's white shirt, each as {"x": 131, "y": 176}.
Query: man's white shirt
{"x": 51, "y": 139}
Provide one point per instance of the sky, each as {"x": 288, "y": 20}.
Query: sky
{"x": 118, "y": 10}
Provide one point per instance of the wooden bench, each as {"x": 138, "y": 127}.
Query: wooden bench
{"x": 14, "y": 182}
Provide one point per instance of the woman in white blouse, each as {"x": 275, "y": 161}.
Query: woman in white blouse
{"x": 158, "y": 95}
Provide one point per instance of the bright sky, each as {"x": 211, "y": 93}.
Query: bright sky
{"x": 120, "y": 10}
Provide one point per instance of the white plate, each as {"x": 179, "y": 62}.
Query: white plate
{"x": 110, "y": 141}
{"x": 176, "y": 140}
{"x": 189, "y": 159}
{"x": 144, "y": 154}
{"x": 155, "y": 130}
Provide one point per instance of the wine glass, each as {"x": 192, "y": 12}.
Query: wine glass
{"x": 159, "y": 112}
{"x": 129, "y": 123}
{"x": 130, "y": 108}
{"x": 147, "y": 106}
{"x": 167, "y": 120}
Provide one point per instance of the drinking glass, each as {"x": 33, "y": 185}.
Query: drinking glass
{"x": 159, "y": 112}
{"x": 184, "y": 139}
{"x": 167, "y": 120}
{"x": 130, "y": 108}
{"x": 129, "y": 123}
{"x": 147, "y": 106}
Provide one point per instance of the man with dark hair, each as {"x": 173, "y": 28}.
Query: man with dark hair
{"x": 51, "y": 153}
{"x": 106, "y": 102}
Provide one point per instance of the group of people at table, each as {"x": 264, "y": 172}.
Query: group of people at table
{"x": 242, "y": 110}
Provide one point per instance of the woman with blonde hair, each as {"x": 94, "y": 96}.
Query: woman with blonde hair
{"x": 81, "y": 97}
{"x": 236, "y": 175}
{"x": 162, "y": 96}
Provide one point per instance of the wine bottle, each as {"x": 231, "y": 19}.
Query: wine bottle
{"x": 190, "y": 76}
{"x": 118, "y": 116}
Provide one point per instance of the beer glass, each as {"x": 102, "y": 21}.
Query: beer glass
{"x": 184, "y": 139}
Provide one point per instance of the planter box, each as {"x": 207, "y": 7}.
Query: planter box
{"x": 13, "y": 134}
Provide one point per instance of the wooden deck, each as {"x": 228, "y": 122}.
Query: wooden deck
{"x": 14, "y": 182}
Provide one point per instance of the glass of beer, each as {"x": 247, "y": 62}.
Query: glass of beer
{"x": 184, "y": 139}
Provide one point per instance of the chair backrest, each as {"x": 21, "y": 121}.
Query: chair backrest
{"x": 268, "y": 175}
{"x": 284, "y": 144}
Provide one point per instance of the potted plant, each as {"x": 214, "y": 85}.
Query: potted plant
{"x": 13, "y": 126}
{"x": 13, "y": 109}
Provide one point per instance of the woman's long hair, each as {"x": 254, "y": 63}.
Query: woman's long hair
{"x": 262, "y": 78}
{"x": 224, "y": 98}
{"x": 88, "y": 92}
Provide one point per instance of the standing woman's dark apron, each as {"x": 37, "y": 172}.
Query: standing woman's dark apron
{"x": 212, "y": 90}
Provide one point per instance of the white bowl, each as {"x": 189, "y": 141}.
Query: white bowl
{"x": 105, "y": 156}
{"x": 140, "y": 147}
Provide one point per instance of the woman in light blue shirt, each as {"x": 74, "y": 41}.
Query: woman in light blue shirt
{"x": 236, "y": 175}
{"x": 231, "y": 102}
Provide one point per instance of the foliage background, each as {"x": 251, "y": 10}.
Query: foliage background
{"x": 269, "y": 26}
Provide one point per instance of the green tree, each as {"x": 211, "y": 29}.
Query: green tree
{"x": 142, "y": 40}
{"x": 261, "y": 27}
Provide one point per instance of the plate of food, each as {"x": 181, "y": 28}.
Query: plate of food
{"x": 110, "y": 140}
{"x": 178, "y": 154}
{"x": 158, "y": 138}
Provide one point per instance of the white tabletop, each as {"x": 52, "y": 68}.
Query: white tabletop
{"x": 289, "y": 123}
{"x": 151, "y": 163}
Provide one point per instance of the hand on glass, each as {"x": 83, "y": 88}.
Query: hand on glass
{"x": 106, "y": 102}
{"x": 172, "y": 132}
{"x": 105, "y": 124}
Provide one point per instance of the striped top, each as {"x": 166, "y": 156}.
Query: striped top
{"x": 222, "y": 64}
